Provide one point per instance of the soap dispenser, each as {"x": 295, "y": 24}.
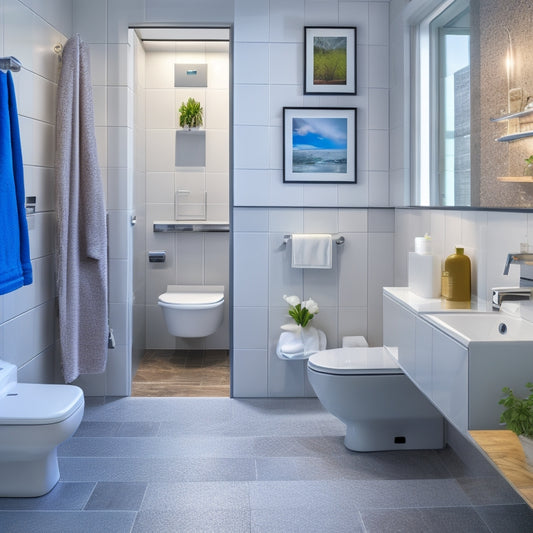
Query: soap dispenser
{"x": 456, "y": 276}
{"x": 423, "y": 271}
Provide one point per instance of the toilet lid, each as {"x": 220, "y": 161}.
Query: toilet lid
{"x": 354, "y": 361}
{"x": 191, "y": 298}
{"x": 38, "y": 404}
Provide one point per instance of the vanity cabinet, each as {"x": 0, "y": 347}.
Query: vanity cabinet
{"x": 464, "y": 381}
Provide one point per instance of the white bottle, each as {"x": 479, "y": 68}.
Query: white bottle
{"x": 424, "y": 270}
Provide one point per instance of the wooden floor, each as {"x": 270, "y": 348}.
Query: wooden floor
{"x": 183, "y": 373}
{"x": 503, "y": 448}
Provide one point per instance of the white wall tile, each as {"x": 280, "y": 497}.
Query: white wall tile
{"x": 117, "y": 66}
{"x": 286, "y": 63}
{"x": 283, "y": 96}
{"x": 287, "y": 21}
{"x": 119, "y": 14}
{"x": 378, "y": 150}
{"x": 378, "y": 15}
{"x": 252, "y": 109}
{"x": 378, "y": 109}
{"x": 250, "y": 373}
{"x": 353, "y": 270}
{"x": 381, "y": 220}
{"x": 90, "y": 20}
{"x": 117, "y": 147}
{"x": 378, "y": 66}
{"x": 250, "y": 326}
{"x": 250, "y": 269}
{"x": 251, "y": 187}
{"x": 251, "y": 147}
{"x": 251, "y": 21}
{"x": 160, "y": 149}
{"x": 216, "y": 150}
{"x": 251, "y": 63}
{"x": 249, "y": 219}
{"x": 117, "y": 106}
{"x": 378, "y": 189}
{"x": 353, "y": 220}
{"x": 321, "y": 13}
{"x": 190, "y": 258}
{"x": 356, "y": 14}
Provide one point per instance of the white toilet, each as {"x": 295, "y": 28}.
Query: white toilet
{"x": 381, "y": 407}
{"x": 193, "y": 310}
{"x": 34, "y": 420}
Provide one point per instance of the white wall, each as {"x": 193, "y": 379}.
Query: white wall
{"x": 269, "y": 67}
{"x": 192, "y": 258}
{"x": 29, "y": 31}
{"x": 488, "y": 236}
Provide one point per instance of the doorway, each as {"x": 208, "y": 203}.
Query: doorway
{"x": 181, "y": 194}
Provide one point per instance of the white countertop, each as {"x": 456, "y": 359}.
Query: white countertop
{"x": 409, "y": 299}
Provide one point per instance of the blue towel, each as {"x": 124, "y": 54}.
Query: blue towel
{"x": 15, "y": 264}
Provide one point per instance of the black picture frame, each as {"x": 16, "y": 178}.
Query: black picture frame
{"x": 330, "y": 63}
{"x": 320, "y": 145}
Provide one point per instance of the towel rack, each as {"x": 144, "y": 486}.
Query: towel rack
{"x": 337, "y": 239}
{"x": 10, "y": 63}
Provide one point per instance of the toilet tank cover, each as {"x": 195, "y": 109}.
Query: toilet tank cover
{"x": 38, "y": 404}
{"x": 361, "y": 361}
{"x": 191, "y": 298}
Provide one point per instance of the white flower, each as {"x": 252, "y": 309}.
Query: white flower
{"x": 291, "y": 300}
{"x": 311, "y": 306}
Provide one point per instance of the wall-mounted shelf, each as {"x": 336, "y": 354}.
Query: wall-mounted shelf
{"x": 190, "y": 148}
{"x": 520, "y": 114}
{"x": 515, "y": 136}
{"x": 167, "y": 226}
{"x": 512, "y": 116}
{"x": 516, "y": 179}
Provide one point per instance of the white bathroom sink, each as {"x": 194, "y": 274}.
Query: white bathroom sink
{"x": 483, "y": 327}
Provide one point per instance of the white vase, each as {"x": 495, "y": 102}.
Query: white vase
{"x": 527, "y": 445}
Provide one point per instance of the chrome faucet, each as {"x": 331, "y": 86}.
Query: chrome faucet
{"x": 517, "y": 258}
{"x": 501, "y": 294}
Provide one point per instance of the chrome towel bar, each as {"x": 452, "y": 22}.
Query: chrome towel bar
{"x": 337, "y": 239}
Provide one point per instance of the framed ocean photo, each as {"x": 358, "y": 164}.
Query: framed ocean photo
{"x": 319, "y": 145}
{"x": 330, "y": 61}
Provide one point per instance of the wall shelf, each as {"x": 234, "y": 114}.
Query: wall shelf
{"x": 515, "y": 136}
{"x": 516, "y": 179}
{"x": 167, "y": 226}
{"x": 511, "y": 116}
{"x": 190, "y": 148}
{"x": 514, "y": 116}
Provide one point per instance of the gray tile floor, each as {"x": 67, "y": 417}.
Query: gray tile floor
{"x": 225, "y": 465}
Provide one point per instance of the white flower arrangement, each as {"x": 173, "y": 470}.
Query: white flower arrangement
{"x": 301, "y": 311}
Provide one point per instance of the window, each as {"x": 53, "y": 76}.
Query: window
{"x": 441, "y": 97}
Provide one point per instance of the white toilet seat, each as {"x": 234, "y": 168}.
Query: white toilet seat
{"x": 39, "y": 404}
{"x": 191, "y": 300}
{"x": 354, "y": 361}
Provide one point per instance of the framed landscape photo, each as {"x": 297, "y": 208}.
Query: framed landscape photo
{"x": 319, "y": 144}
{"x": 329, "y": 62}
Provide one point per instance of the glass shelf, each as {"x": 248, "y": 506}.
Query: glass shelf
{"x": 520, "y": 114}
{"x": 515, "y": 136}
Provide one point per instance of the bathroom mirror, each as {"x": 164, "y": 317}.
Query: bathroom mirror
{"x": 474, "y": 66}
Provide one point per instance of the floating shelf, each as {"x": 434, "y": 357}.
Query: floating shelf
{"x": 166, "y": 226}
{"x": 515, "y": 136}
{"x": 516, "y": 179}
{"x": 520, "y": 114}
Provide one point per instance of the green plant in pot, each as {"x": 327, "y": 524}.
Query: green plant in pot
{"x": 191, "y": 114}
{"x": 518, "y": 417}
{"x": 528, "y": 169}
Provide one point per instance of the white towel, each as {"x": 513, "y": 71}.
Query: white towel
{"x": 311, "y": 250}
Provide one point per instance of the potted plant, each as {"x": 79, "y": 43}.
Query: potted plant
{"x": 299, "y": 340}
{"x": 518, "y": 416}
{"x": 528, "y": 169}
{"x": 191, "y": 114}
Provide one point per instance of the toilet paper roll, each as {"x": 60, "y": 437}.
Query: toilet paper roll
{"x": 355, "y": 341}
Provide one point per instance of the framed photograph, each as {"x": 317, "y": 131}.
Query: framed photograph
{"x": 319, "y": 144}
{"x": 329, "y": 62}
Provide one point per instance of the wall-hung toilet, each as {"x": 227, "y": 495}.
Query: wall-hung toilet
{"x": 192, "y": 310}
{"x": 381, "y": 407}
{"x": 34, "y": 420}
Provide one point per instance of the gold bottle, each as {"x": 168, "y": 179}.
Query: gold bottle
{"x": 457, "y": 271}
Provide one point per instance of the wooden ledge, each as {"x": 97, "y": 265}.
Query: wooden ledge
{"x": 504, "y": 450}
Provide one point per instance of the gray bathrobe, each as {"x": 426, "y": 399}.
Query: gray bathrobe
{"x": 81, "y": 224}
